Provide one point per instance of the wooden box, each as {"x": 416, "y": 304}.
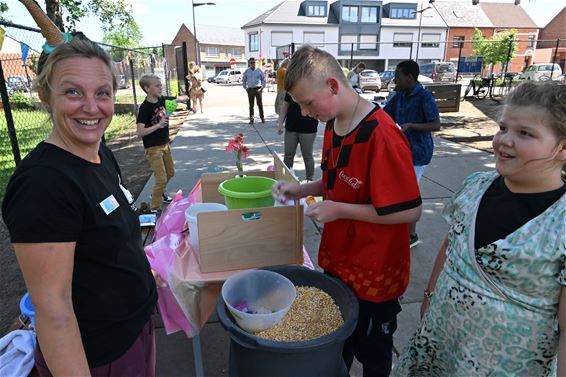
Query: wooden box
{"x": 251, "y": 237}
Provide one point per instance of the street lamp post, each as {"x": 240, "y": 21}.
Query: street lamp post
{"x": 197, "y": 55}
{"x": 419, "y": 32}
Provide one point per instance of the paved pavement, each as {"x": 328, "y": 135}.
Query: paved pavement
{"x": 199, "y": 147}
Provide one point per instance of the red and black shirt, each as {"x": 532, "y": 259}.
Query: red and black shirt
{"x": 370, "y": 165}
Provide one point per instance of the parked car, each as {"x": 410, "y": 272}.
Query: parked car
{"x": 229, "y": 76}
{"x": 123, "y": 82}
{"x": 212, "y": 78}
{"x": 18, "y": 84}
{"x": 386, "y": 77}
{"x": 422, "y": 79}
{"x": 9, "y": 90}
{"x": 369, "y": 80}
{"x": 439, "y": 71}
{"x": 541, "y": 72}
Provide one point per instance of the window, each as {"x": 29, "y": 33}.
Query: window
{"x": 403, "y": 13}
{"x": 402, "y": 39}
{"x": 531, "y": 42}
{"x": 316, "y": 11}
{"x": 211, "y": 51}
{"x": 279, "y": 38}
{"x": 458, "y": 41}
{"x": 350, "y": 14}
{"x": 368, "y": 42}
{"x": 237, "y": 52}
{"x": 313, "y": 38}
{"x": 254, "y": 42}
{"x": 369, "y": 14}
{"x": 430, "y": 40}
{"x": 346, "y": 42}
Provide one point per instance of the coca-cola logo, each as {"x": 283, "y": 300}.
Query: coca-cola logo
{"x": 353, "y": 182}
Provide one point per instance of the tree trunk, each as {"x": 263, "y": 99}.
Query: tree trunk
{"x": 55, "y": 12}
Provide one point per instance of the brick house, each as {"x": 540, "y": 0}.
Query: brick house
{"x": 549, "y": 34}
{"x": 217, "y": 45}
{"x": 507, "y": 16}
{"x": 462, "y": 18}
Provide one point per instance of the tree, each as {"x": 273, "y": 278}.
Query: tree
{"x": 123, "y": 36}
{"x": 109, "y": 12}
{"x": 3, "y": 9}
{"x": 498, "y": 49}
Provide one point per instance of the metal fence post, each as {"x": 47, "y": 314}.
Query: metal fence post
{"x": 186, "y": 67}
{"x": 133, "y": 84}
{"x": 351, "y": 54}
{"x": 166, "y": 72}
{"x": 554, "y": 57}
{"x": 458, "y": 66}
{"x": 508, "y": 58}
{"x": 9, "y": 118}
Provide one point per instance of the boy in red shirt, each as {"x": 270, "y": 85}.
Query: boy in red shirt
{"x": 370, "y": 196}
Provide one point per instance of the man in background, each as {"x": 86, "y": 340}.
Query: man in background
{"x": 253, "y": 81}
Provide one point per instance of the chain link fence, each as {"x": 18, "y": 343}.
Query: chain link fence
{"x": 24, "y": 122}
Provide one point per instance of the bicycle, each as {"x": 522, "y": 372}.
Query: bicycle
{"x": 506, "y": 85}
{"x": 480, "y": 90}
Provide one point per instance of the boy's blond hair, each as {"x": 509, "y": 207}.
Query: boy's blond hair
{"x": 147, "y": 80}
{"x": 314, "y": 64}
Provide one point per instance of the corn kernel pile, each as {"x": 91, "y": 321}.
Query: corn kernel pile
{"x": 312, "y": 315}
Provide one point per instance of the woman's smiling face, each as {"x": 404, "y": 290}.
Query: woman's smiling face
{"x": 81, "y": 101}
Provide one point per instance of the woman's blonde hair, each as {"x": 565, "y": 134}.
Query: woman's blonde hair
{"x": 78, "y": 47}
{"x": 314, "y": 64}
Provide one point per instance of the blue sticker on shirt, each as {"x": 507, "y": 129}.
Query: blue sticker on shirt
{"x": 109, "y": 204}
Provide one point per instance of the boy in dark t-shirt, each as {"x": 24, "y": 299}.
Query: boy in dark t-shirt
{"x": 370, "y": 196}
{"x": 153, "y": 127}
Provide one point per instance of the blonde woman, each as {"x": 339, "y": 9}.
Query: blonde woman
{"x": 196, "y": 91}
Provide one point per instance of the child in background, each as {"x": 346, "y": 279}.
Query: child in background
{"x": 496, "y": 292}
{"x": 370, "y": 195}
{"x": 414, "y": 109}
{"x": 153, "y": 128}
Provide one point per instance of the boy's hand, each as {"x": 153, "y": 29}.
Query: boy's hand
{"x": 280, "y": 130}
{"x": 323, "y": 212}
{"x": 284, "y": 190}
{"x": 164, "y": 121}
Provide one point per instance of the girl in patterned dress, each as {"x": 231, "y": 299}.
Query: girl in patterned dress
{"x": 495, "y": 303}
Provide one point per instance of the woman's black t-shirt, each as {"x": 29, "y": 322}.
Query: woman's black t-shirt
{"x": 295, "y": 121}
{"x": 56, "y": 196}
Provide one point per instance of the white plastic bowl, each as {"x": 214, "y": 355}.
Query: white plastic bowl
{"x": 262, "y": 291}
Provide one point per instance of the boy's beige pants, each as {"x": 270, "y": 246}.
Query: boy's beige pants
{"x": 161, "y": 163}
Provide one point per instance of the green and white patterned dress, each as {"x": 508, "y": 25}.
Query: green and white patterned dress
{"x": 469, "y": 330}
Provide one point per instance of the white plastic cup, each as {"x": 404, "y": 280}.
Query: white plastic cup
{"x": 191, "y": 217}
{"x": 258, "y": 289}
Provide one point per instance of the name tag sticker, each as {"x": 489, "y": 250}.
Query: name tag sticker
{"x": 109, "y": 204}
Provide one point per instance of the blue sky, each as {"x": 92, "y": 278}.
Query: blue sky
{"x": 160, "y": 20}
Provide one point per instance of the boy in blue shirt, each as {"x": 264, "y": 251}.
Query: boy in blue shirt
{"x": 413, "y": 108}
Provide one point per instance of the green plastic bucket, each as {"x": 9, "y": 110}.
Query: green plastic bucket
{"x": 247, "y": 192}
